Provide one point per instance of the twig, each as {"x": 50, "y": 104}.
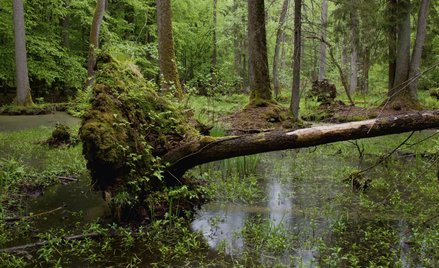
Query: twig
{"x": 33, "y": 215}
{"x": 386, "y": 157}
{"x": 67, "y": 178}
{"x": 43, "y": 243}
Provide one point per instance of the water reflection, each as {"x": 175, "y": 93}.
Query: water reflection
{"x": 219, "y": 225}
{"x": 15, "y": 123}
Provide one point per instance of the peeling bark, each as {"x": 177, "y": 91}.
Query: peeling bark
{"x": 199, "y": 152}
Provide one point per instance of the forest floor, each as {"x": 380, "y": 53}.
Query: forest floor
{"x": 255, "y": 119}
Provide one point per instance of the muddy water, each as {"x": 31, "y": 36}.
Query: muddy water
{"x": 14, "y": 123}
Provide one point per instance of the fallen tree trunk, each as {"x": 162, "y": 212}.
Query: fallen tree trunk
{"x": 199, "y": 152}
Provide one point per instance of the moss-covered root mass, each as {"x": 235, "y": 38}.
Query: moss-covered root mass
{"x": 126, "y": 131}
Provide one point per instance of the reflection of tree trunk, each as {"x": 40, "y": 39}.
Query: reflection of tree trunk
{"x": 168, "y": 63}
{"x": 22, "y": 78}
{"x": 279, "y": 40}
{"x": 196, "y": 153}
{"x": 419, "y": 43}
{"x": 94, "y": 40}
{"x": 322, "y": 55}
{"x": 257, "y": 44}
{"x": 295, "y": 94}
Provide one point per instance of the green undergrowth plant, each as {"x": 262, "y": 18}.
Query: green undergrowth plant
{"x": 234, "y": 180}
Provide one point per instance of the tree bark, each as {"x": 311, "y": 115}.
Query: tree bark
{"x": 295, "y": 94}
{"x": 258, "y": 61}
{"x": 214, "y": 41}
{"x": 168, "y": 63}
{"x": 354, "y": 53}
{"x": 392, "y": 39}
{"x": 365, "y": 70}
{"x": 199, "y": 152}
{"x": 322, "y": 54}
{"x": 22, "y": 78}
{"x": 94, "y": 40}
{"x": 279, "y": 39}
{"x": 421, "y": 32}
{"x": 65, "y": 24}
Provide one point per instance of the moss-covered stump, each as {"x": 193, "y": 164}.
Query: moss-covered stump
{"x": 323, "y": 91}
{"x": 60, "y": 136}
{"x": 124, "y": 134}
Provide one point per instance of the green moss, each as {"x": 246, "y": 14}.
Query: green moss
{"x": 126, "y": 131}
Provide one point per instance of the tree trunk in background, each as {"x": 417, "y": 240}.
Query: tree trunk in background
{"x": 399, "y": 92}
{"x": 22, "y": 78}
{"x": 295, "y": 94}
{"x": 283, "y": 56}
{"x": 94, "y": 40}
{"x": 365, "y": 70}
{"x": 392, "y": 39}
{"x": 237, "y": 59}
{"x": 279, "y": 40}
{"x": 354, "y": 53}
{"x": 214, "y": 42}
{"x": 322, "y": 55}
{"x": 417, "y": 50}
{"x": 65, "y": 24}
{"x": 168, "y": 63}
{"x": 257, "y": 44}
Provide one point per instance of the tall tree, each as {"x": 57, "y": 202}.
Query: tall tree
{"x": 280, "y": 35}
{"x": 354, "y": 51}
{"x": 94, "y": 40}
{"x": 295, "y": 90}
{"x": 421, "y": 33}
{"x": 403, "y": 93}
{"x": 22, "y": 78}
{"x": 214, "y": 41}
{"x": 257, "y": 45}
{"x": 168, "y": 63}
{"x": 322, "y": 55}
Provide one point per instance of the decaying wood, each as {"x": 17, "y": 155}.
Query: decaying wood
{"x": 33, "y": 215}
{"x": 203, "y": 151}
{"x": 44, "y": 243}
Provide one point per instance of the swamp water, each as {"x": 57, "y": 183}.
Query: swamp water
{"x": 301, "y": 212}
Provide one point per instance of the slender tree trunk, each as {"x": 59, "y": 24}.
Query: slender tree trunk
{"x": 214, "y": 41}
{"x": 365, "y": 70}
{"x": 399, "y": 89}
{"x": 295, "y": 94}
{"x": 94, "y": 40}
{"x": 279, "y": 39}
{"x": 65, "y": 24}
{"x": 168, "y": 63}
{"x": 417, "y": 50}
{"x": 392, "y": 39}
{"x": 22, "y": 79}
{"x": 283, "y": 56}
{"x": 257, "y": 44}
{"x": 322, "y": 55}
{"x": 354, "y": 53}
